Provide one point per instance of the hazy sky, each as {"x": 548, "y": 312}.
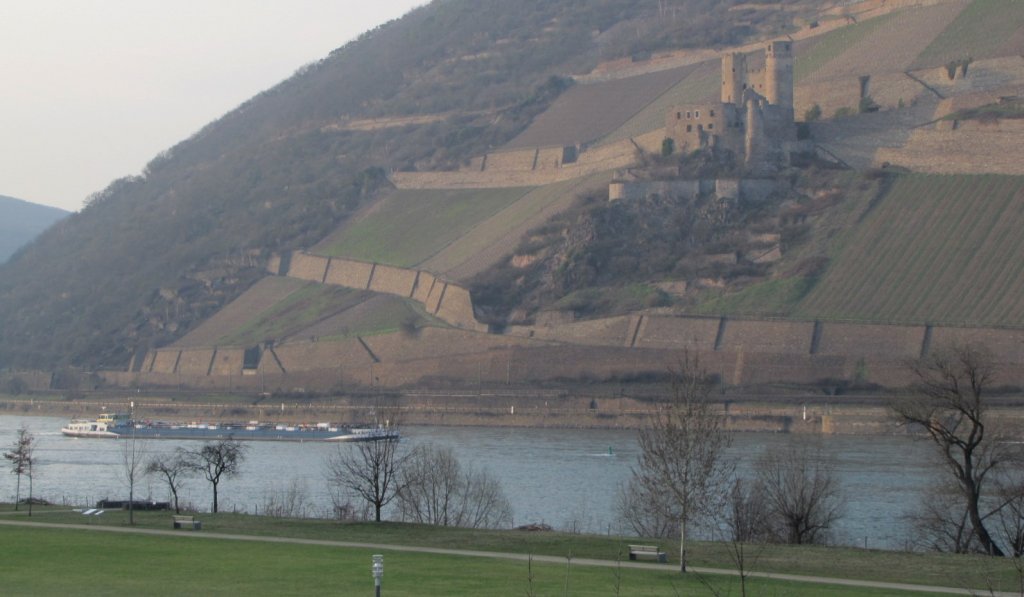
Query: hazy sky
{"x": 94, "y": 89}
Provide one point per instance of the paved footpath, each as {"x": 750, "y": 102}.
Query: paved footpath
{"x": 893, "y": 586}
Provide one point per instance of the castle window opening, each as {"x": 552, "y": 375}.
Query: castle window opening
{"x": 687, "y": 115}
{"x": 679, "y": 115}
{"x": 696, "y": 114}
{"x": 711, "y": 126}
{"x": 689, "y": 128}
{"x": 700, "y": 127}
{"x": 712, "y": 113}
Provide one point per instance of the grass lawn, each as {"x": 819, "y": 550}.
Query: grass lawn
{"x": 81, "y": 562}
{"x": 917, "y": 568}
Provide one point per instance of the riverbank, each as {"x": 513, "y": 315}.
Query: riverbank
{"x": 804, "y": 414}
{"x": 711, "y": 558}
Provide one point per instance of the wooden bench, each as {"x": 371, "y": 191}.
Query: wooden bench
{"x": 647, "y": 550}
{"x": 183, "y": 522}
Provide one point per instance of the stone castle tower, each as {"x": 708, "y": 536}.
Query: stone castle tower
{"x": 755, "y": 116}
{"x": 778, "y": 74}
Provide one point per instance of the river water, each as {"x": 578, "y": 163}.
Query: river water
{"x": 565, "y": 478}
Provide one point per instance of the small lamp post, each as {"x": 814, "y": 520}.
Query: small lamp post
{"x": 378, "y": 572}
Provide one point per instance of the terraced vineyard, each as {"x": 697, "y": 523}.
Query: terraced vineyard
{"x": 289, "y": 315}
{"x": 701, "y": 84}
{"x": 985, "y": 29}
{"x": 587, "y": 112}
{"x": 811, "y": 55}
{"x": 499, "y": 235}
{"x": 936, "y": 249}
{"x": 411, "y": 225}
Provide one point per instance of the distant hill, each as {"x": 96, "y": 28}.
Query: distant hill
{"x": 285, "y": 169}
{"x": 21, "y": 221}
{"x": 466, "y": 151}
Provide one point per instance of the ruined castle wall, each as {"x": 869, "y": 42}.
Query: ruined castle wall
{"x": 393, "y": 280}
{"x": 349, "y": 273}
{"x": 612, "y": 155}
{"x": 778, "y": 74}
{"x": 308, "y": 267}
{"x": 666, "y": 188}
{"x": 758, "y": 189}
{"x": 727, "y": 187}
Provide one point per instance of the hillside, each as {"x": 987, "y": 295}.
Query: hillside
{"x": 21, "y": 221}
{"x": 284, "y": 169}
{"x": 432, "y": 201}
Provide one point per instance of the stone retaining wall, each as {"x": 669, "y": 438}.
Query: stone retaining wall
{"x": 448, "y": 302}
{"x": 348, "y": 273}
{"x": 394, "y": 280}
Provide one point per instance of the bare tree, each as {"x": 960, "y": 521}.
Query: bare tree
{"x": 644, "y": 514}
{"x": 369, "y": 469}
{"x": 172, "y": 469}
{"x": 20, "y": 458}
{"x": 132, "y": 455}
{"x": 949, "y": 403}
{"x": 218, "y": 459}
{"x": 801, "y": 491}
{"x": 436, "y": 489}
{"x": 682, "y": 451}
{"x": 745, "y": 515}
{"x": 941, "y": 523}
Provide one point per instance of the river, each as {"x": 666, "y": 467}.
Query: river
{"x": 565, "y": 478}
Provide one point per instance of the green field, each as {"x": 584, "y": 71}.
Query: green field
{"x": 937, "y": 249}
{"x": 411, "y": 225}
{"x": 985, "y": 29}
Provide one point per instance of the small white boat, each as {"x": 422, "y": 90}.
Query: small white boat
{"x": 100, "y": 427}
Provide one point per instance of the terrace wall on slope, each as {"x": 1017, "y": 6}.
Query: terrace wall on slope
{"x": 740, "y": 352}
{"x": 590, "y": 161}
{"x": 448, "y": 302}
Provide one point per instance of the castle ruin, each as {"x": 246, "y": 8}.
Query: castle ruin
{"x": 754, "y": 119}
